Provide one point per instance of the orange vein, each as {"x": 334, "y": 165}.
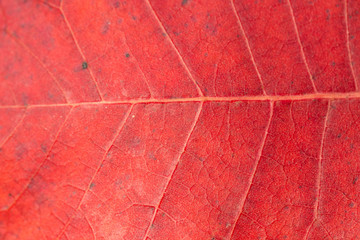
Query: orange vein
{"x": 14, "y": 129}
{"x": 80, "y": 51}
{"x": 251, "y": 180}
{"x": 319, "y": 173}
{"x": 51, "y": 4}
{"x": 141, "y": 71}
{"x": 121, "y": 125}
{"x": 348, "y": 44}
{"x": 88, "y": 222}
{"x": 348, "y": 95}
{"x": 197, "y": 116}
{"x": 301, "y": 46}
{"x": 175, "y": 48}
{"x": 248, "y": 47}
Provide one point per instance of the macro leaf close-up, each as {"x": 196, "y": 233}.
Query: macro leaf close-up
{"x": 179, "y": 119}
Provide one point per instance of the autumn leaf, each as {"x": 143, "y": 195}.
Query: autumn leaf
{"x": 179, "y": 119}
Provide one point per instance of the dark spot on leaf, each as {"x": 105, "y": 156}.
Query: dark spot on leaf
{"x": 333, "y": 63}
{"x": 163, "y": 214}
{"x": 127, "y": 55}
{"x": 119, "y": 183}
{"x": 31, "y": 184}
{"x": 151, "y": 156}
{"x": 92, "y": 185}
{"x": 105, "y": 27}
{"x": 20, "y": 151}
{"x": 15, "y": 35}
{"x": 43, "y": 148}
{"x": 84, "y": 65}
{"x": 351, "y": 205}
{"x": 10, "y": 195}
{"x": 184, "y": 2}
{"x": 355, "y": 180}
{"x": 108, "y": 155}
{"x": 135, "y": 142}
{"x": 327, "y": 14}
{"x": 24, "y": 99}
{"x": 116, "y": 4}
{"x": 339, "y": 135}
{"x": 134, "y": 18}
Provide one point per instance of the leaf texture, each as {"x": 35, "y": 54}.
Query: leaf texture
{"x": 179, "y": 119}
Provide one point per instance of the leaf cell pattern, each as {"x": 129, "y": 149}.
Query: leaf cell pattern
{"x": 179, "y": 119}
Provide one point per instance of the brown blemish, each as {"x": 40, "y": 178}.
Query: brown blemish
{"x": 43, "y": 148}
{"x": 20, "y": 151}
{"x": 105, "y": 27}
{"x": 355, "y": 180}
{"x": 116, "y": 4}
{"x": 152, "y": 156}
{"x": 327, "y": 14}
{"x": 184, "y": 2}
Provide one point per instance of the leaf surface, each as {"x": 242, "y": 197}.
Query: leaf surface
{"x": 152, "y": 119}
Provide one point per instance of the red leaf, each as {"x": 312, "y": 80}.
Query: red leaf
{"x": 179, "y": 119}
